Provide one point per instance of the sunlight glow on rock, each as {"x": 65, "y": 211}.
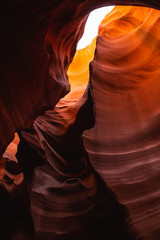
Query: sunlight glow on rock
{"x": 91, "y": 28}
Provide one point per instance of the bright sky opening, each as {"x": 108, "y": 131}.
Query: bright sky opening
{"x": 92, "y": 24}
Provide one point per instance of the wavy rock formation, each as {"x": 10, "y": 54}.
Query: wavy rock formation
{"x": 38, "y": 44}
{"x": 123, "y": 146}
{"x": 82, "y": 189}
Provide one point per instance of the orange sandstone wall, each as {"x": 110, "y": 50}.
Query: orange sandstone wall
{"x": 38, "y": 44}
{"x": 122, "y": 146}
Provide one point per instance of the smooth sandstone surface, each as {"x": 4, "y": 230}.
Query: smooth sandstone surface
{"x": 119, "y": 112}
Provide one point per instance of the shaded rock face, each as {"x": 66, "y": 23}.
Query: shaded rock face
{"x": 71, "y": 186}
{"x": 68, "y": 198}
{"x": 38, "y": 44}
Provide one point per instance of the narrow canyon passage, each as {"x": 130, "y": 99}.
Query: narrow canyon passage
{"x": 96, "y": 149}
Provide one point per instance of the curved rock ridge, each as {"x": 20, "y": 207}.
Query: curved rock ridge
{"x": 68, "y": 199}
{"x": 70, "y": 188}
{"x": 38, "y": 44}
{"x": 120, "y": 146}
{"x": 124, "y": 145}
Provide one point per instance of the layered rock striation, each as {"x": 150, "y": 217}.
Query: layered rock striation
{"x": 95, "y": 152}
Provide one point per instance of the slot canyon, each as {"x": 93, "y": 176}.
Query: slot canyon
{"x": 79, "y": 135}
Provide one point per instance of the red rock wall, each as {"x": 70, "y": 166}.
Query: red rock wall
{"x": 28, "y": 74}
{"x": 123, "y": 146}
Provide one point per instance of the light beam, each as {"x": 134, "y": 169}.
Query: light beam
{"x": 92, "y": 24}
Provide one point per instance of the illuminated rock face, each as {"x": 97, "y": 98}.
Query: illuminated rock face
{"x": 29, "y": 75}
{"x": 126, "y": 85}
{"x": 122, "y": 146}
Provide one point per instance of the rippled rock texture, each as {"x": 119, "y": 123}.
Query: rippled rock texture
{"x": 125, "y": 80}
{"x": 91, "y": 162}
